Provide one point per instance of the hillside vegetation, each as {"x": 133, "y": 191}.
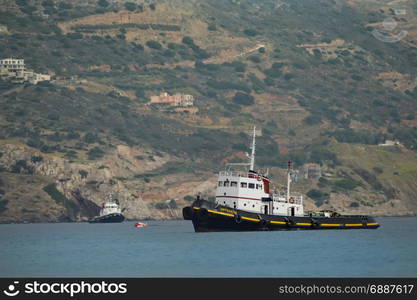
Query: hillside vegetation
{"x": 311, "y": 74}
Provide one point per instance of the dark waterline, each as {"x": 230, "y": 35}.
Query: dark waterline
{"x": 172, "y": 249}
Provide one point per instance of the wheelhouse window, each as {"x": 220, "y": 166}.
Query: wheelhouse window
{"x": 233, "y": 183}
{"x": 220, "y": 183}
{"x": 257, "y": 186}
{"x": 251, "y": 185}
{"x": 226, "y": 183}
{"x": 243, "y": 185}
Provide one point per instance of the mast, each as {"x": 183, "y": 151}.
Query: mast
{"x": 252, "y": 156}
{"x": 289, "y": 179}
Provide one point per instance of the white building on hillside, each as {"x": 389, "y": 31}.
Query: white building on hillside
{"x": 16, "y": 71}
{"x": 31, "y": 77}
{"x": 173, "y": 100}
{"x": 12, "y": 64}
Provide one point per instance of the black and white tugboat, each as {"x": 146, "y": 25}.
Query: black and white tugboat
{"x": 244, "y": 202}
{"x": 109, "y": 213}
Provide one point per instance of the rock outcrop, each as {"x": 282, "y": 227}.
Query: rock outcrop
{"x": 85, "y": 185}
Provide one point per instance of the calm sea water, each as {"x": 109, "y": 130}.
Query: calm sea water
{"x": 172, "y": 249}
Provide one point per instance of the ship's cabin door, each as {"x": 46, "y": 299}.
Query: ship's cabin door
{"x": 292, "y": 211}
{"x": 265, "y": 210}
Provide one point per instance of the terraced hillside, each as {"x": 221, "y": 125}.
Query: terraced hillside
{"x": 321, "y": 78}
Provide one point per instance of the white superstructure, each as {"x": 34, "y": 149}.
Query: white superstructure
{"x": 250, "y": 191}
{"x": 109, "y": 208}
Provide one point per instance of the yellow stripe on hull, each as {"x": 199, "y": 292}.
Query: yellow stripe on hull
{"x": 220, "y": 213}
{"x": 351, "y": 225}
{"x": 330, "y": 225}
{"x": 278, "y": 222}
{"x": 303, "y": 224}
{"x": 250, "y": 219}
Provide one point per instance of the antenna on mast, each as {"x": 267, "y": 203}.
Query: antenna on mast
{"x": 289, "y": 179}
{"x": 252, "y": 156}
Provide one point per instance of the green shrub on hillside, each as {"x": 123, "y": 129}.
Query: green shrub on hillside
{"x": 238, "y": 66}
{"x": 250, "y": 32}
{"x": 312, "y": 120}
{"x": 317, "y": 53}
{"x": 354, "y": 204}
{"x": 3, "y": 205}
{"x": 257, "y": 84}
{"x": 64, "y": 5}
{"x": 21, "y": 167}
{"x": 83, "y": 173}
{"x": 322, "y": 154}
{"x": 103, "y": 3}
{"x": 48, "y": 3}
{"x": 243, "y": 99}
{"x": 91, "y": 138}
{"x": 35, "y": 159}
{"x": 71, "y": 154}
{"x": 188, "y": 40}
{"x": 273, "y": 72}
{"x": 154, "y": 45}
{"x": 95, "y": 153}
{"x": 225, "y": 85}
{"x": 351, "y": 136}
{"x": 172, "y": 204}
{"x": 189, "y": 198}
{"x": 212, "y": 27}
{"x": 345, "y": 184}
{"x": 318, "y": 196}
{"x": 254, "y": 58}
{"x": 22, "y": 2}
{"x": 131, "y": 6}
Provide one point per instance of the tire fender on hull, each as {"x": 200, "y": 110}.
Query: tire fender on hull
{"x": 314, "y": 223}
{"x": 288, "y": 222}
{"x": 263, "y": 223}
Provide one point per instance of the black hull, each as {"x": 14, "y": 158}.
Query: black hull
{"x": 111, "y": 218}
{"x": 206, "y": 217}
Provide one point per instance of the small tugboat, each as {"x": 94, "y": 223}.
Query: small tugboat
{"x": 109, "y": 213}
{"x": 244, "y": 203}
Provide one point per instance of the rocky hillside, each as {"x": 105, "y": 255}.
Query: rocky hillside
{"x": 325, "y": 80}
{"x": 39, "y": 187}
